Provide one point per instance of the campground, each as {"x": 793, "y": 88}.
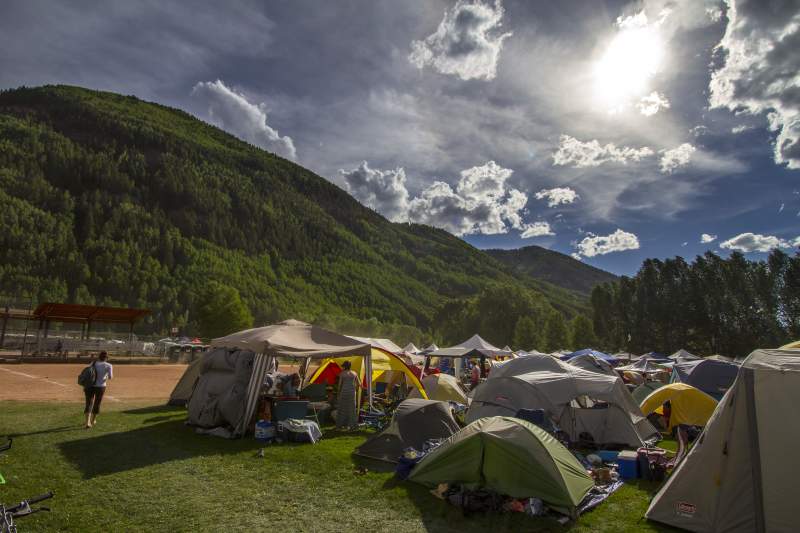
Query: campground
{"x": 152, "y": 473}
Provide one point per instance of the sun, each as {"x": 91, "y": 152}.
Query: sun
{"x": 624, "y": 70}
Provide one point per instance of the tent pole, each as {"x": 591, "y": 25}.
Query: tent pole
{"x": 368, "y": 367}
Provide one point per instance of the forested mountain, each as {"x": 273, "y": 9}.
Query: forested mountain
{"x": 553, "y": 267}
{"x": 109, "y": 199}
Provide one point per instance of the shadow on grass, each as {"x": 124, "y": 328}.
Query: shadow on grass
{"x": 152, "y": 409}
{"x": 59, "y": 429}
{"x": 111, "y": 453}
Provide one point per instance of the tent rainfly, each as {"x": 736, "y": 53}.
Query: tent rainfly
{"x": 593, "y": 364}
{"x": 413, "y": 422}
{"x": 231, "y": 375}
{"x": 741, "y": 474}
{"x": 688, "y": 405}
{"x": 509, "y": 456}
{"x": 710, "y": 376}
{"x": 442, "y": 387}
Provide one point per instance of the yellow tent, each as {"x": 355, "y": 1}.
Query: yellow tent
{"x": 386, "y": 368}
{"x": 791, "y": 346}
{"x": 688, "y": 405}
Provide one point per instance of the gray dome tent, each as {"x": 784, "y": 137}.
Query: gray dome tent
{"x": 593, "y": 364}
{"x": 741, "y": 473}
{"x": 414, "y": 422}
{"x": 579, "y": 401}
{"x": 710, "y": 376}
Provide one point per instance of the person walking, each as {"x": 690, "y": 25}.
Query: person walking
{"x": 346, "y": 408}
{"x": 94, "y": 394}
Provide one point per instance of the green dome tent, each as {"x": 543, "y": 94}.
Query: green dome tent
{"x": 509, "y": 456}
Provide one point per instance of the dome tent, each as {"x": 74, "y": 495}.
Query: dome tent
{"x": 579, "y": 401}
{"x": 741, "y": 473}
{"x": 414, "y": 422}
{"x": 509, "y": 456}
{"x": 442, "y": 387}
{"x": 710, "y": 376}
{"x": 593, "y": 364}
{"x": 643, "y": 391}
{"x": 688, "y": 405}
{"x": 183, "y": 390}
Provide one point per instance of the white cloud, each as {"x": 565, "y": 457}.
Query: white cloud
{"x": 480, "y": 203}
{"x": 676, "y": 158}
{"x": 759, "y": 74}
{"x": 577, "y": 256}
{"x": 781, "y": 208}
{"x": 618, "y": 241}
{"x": 754, "y": 242}
{"x": 382, "y": 190}
{"x": 466, "y": 43}
{"x": 232, "y": 112}
{"x": 652, "y": 103}
{"x": 581, "y": 154}
{"x": 557, "y": 196}
{"x": 684, "y": 244}
{"x": 740, "y": 129}
{"x": 706, "y": 238}
{"x": 537, "y": 229}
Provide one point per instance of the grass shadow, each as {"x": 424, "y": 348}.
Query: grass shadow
{"x": 60, "y": 429}
{"x": 151, "y": 409}
{"x": 111, "y": 453}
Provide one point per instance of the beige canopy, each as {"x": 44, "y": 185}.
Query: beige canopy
{"x": 292, "y": 338}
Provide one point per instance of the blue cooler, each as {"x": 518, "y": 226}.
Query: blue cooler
{"x": 628, "y": 464}
{"x": 608, "y": 456}
{"x": 265, "y": 431}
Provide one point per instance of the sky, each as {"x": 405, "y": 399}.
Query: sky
{"x": 612, "y": 131}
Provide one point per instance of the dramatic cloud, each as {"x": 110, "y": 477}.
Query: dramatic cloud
{"x": 759, "y": 73}
{"x": 232, "y": 112}
{"x": 480, "y": 203}
{"x": 467, "y": 42}
{"x": 652, "y": 103}
{"x": 581, "y": 154}
{"x": 754, "y": 242}
{"x": 618, "y": 241}
{"x": 676, "y": 158}
{"x": 382, "y": 190}
{"x": 537, "y": 229}
{"x": 706, "y": 238}
{"x": 557, "y": 196}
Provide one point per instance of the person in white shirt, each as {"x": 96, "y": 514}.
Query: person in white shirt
{"x": 94, "y": 394}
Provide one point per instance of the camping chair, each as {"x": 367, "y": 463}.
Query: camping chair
{"x": 285, "y": 409}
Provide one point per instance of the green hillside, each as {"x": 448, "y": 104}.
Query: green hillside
{"x": 553, "y": 267}
{"x": 109, "y": 199}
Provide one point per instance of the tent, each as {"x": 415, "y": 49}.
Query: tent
{"x": 185, "y": 387}
{"x": 791, "y": 346}
{"x": 654, "y": 356}
{"x": 643, "y": 366}
{"x": 430, "y": 348}
{"x": 588, "y": 351}
{"x": 414, "y": 422}
{"x": 688, "y": 405}
{"x": 741, "y": 473}
{"x": 710, "y": 376}
{"x": 442, "y": 387}
{"x": 386, "y": 345}
{"x": 231, "y": 376}
{"x": 593, "y": 364}
{"x": 411, "y": 348}
{"x": 386, "y": 367}
{"x": 643, "y": 391}
{"x": 511, "y": 457}
{"x": 683, "y": 355}
{"x": 579, "y": 401}
{"x": 474, "y": 347}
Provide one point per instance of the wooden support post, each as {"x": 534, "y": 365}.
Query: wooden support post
{"x": 3, "y": 332}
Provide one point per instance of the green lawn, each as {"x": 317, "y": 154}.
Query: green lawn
{"x": 142, "y": 469}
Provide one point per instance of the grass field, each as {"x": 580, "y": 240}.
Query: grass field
{"x": 142, "y": 469}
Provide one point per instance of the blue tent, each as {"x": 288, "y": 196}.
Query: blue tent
{"x": 588, "y": 351}
{"x": 710, "y": 376}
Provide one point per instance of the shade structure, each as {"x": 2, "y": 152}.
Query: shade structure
{"x": 413, "y": 423}
{"x": 442, "y": 387}
{"x": 475, "y": 346}
{"x": 293, "y": 338}
{"x": 509, "y": 456}
{"x": 741, "y": 474}
{"x": 386, "y": 367}
{"x": 710, "y": 376}
{"x": 688, "y": 405}
{"x": 387, "y": 345}
{"x": 579, "y": 401}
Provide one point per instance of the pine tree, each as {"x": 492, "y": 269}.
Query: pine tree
{"x": 555, "y": 333}
{"x": 582, "y": 333}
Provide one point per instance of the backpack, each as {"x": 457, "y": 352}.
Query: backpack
{"x": 88, "y": 376}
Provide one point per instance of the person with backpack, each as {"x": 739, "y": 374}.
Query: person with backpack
{"x": 94, "y": 379}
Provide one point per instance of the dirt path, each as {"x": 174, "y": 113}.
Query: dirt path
{"x": 59, "y": 382}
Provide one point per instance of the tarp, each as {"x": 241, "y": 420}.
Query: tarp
{"x": 741, "y": 474}
{"x": 293, "y": 338}
{"x": 509, "y": 456}
{"x": 601, "y": 355}
{"x": 414, "y": 422}
{"x": 385, "y": 369}
{"x": 710, "y": 376}
{"x": 442, "y": 387}
{"x": 688, "y": 405}
{"x": 568, "y": 395}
